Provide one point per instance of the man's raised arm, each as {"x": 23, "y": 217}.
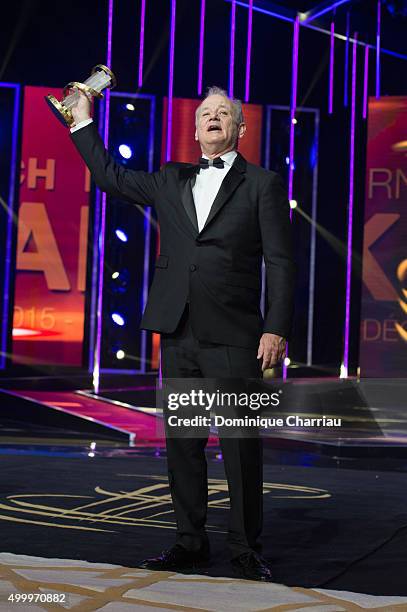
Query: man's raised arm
{"x": 134, "y": 186}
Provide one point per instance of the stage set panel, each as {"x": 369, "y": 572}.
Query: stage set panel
{"x": 10, "y": 94}
{"x": 383, "y": 336}
{"x": 129, "y": 243}
{"x": 52, "y": 233}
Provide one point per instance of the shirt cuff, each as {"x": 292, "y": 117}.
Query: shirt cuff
{"x": 81, "y": 124}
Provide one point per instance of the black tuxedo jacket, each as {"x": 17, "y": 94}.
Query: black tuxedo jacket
{"x": 219, "y": 268}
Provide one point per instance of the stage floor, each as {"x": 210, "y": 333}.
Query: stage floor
{"x": 84, "y": 477}
{"x": 115, "y": 588}
{"x": 329, "y": 527}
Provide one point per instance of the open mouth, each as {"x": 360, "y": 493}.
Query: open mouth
{"x": 214, "y": 128}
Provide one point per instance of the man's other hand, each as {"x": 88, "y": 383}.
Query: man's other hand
{"x": 82, "y": 109}
{"x": 272, "y": 349}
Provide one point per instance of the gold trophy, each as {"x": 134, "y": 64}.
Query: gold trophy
{"x": 100, "y": 78}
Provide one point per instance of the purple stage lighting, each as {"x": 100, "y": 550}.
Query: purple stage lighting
{"x": 345, "y": 362}
{"x": 201, "y": 46}
{"x": 141, "y": 50}
{"x": 232, "y": 48}
{"x": 366, "y": 82}
{"x": 331, "y": 69}
{"x": 345, "y": 90}
{"x": 100, "y": 217}
{"x": 293, "y": 107}
{"x": 379, "y": 7}
{"x": 318, "y": 13}
{"x": 248, "y": 50}
{"x": 171, "y": 79}
{"x": 293, "y": 110}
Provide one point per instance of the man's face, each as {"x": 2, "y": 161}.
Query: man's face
{"x": 216, "y": 128}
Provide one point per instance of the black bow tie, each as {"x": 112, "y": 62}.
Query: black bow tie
{"x": 205, "y": 163}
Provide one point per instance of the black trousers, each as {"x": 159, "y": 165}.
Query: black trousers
{"x": 183, "y": 356}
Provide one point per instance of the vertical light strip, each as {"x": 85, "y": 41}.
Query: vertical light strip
{"x": 141, "y": 51}
{"x": 171, "y": 79}
{"x": 345, "y": 362}
{"x": 365, "y": 82}
{"x": 268, "y": 144}
{"x": 345, "y": 89}
{"x": 379, "y": 7}
{"x": 331, "y": 69}
{"x": 313, "y": 242}
{"x": 11, "y": 218}
{"x": 293, "y": 108}
{"x": 232, "y": 48}
{"x": 201, "y": 46}
{"x": 267, "y": 166}
{"x": 102, "y": 223}
{"x": 95, "y": 263}
{"x": 248, "y": 50}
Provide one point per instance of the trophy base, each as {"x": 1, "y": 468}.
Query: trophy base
{"x": 60, "y": 112}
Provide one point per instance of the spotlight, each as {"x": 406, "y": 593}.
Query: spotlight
{"x": 119, "y": 282}
{"x": 343, "y": 371}
{"x": 294, "y": 121}
{"x": 287, "y": 361}
{"x": 118, "y": 319}
{"x": 120, "y": 354}
{"x": 293, "y": 203}
{"x": 125, "y": 151}
{"x": 287, "y": 160}
{"x": 121, "y": 235}
{"x": 130, "y": 107}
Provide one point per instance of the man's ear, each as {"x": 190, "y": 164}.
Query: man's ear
{"x": 242, "y": 130}
{"x": 196, "y": 134}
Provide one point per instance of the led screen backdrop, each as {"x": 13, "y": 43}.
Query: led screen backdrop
{"x": 52, "y": 240}
{"x": 383, "y": 345}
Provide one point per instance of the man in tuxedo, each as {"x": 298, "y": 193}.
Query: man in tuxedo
{"x": 217, "y": 219}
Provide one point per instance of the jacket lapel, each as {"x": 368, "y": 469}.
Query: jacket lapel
{"x": 187, "y": 177}
{"x": 229, "y": 185}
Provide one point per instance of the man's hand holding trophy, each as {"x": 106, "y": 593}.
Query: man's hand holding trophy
{"x": 76, "y": 103}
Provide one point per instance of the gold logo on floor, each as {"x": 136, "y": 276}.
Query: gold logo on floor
{"x": 147, "y": 506}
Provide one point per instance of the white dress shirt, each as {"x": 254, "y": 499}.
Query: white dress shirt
{"x": 81, "y": 124}
{"x": 207, "y": 184}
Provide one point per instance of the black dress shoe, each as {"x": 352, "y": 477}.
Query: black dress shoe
{"x": 251, "y": 566}
{"x": 177, "y": 558}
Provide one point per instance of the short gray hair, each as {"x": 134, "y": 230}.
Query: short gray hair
{"x": 218, "y": 91}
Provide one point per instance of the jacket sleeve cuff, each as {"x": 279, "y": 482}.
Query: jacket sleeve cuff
{"x": 81, "y": 124}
